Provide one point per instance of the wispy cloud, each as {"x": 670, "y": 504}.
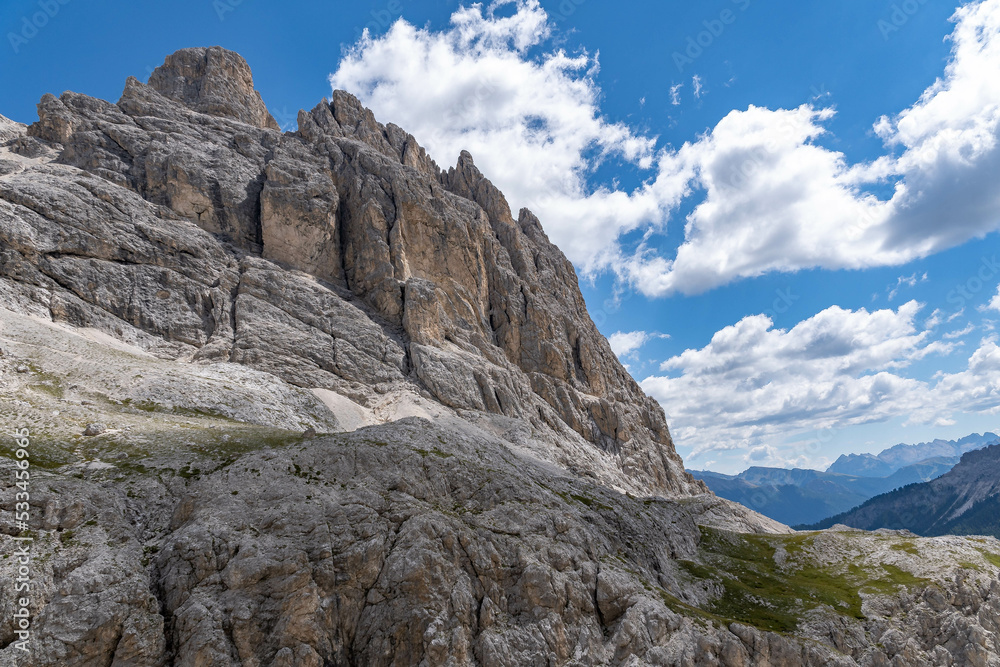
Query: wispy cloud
{"x": 952, "y": 335}
{"x": 905, "y": 281}
{"x": 675, "y": 94}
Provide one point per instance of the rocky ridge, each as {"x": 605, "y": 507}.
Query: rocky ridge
{"x": 352, "y": 411}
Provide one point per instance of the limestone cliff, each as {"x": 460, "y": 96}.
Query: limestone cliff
{"x": 458, "y": 298}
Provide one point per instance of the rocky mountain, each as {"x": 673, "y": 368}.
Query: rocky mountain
{"x": 962, "y": 502}
{"x": 338, "y": 257}
{"x": 888, "y": 461}
{"x": 798, "y": 496}
{"x": 305, "y": 398}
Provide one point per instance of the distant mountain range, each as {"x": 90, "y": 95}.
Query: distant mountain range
{"x": 964, "y": 501}
{"x": 890, "y": 460}
{"x": 797, "y": 496}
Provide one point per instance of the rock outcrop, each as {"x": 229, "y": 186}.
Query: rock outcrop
{"x": 343, "y": 408}
{"x": 213, "y": 81}
{"x": 400, "y": 273}
{"x": 9, "y": 129}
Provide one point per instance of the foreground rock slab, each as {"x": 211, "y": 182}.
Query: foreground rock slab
{"x": 432, "y": 543}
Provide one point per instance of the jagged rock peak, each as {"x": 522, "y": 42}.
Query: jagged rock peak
{"x": 212, "y": 81}
{"x": 465, "y": 180}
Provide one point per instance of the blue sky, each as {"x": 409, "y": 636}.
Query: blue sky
{"x": 783, "y": 213}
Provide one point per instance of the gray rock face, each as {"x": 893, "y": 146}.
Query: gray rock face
{"x": 213, "y": 81}
{"x": 9, "y": 129}
{"x": 95, "y": 429}
{"x": 401, "y": 273}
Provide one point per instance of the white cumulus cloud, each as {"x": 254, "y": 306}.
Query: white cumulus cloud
{"x": 754, "y": 384}
{"x": 776, "y": 200}
{"x": 624, "y": 343}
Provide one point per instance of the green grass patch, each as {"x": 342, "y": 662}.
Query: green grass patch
{"x": 697, "y": 570}
{"x": 796, "y": 544}
{"x": 144, "y": 406}
{"x": 992, "y": 558}
{"x": 187, "y": 472}
{"x": 147, "y": 554}
{"x": 757, "y": 591}
{"x": 54, "y": 390}
{"x": 586, "y": 501}
{"x": 48, "y": 383}
{"x": 203, "y": 413}
{"x": 424, "y": 453}
{"x": 908, "y": 546}
{"x": 44, "y": 454}
{"x": 699, "y": 615}
{"x": 889, "y": 581}
{"x": 589, "y": 502}
{"x": 308, "y": 475}
{"x": 130, "y": 466}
